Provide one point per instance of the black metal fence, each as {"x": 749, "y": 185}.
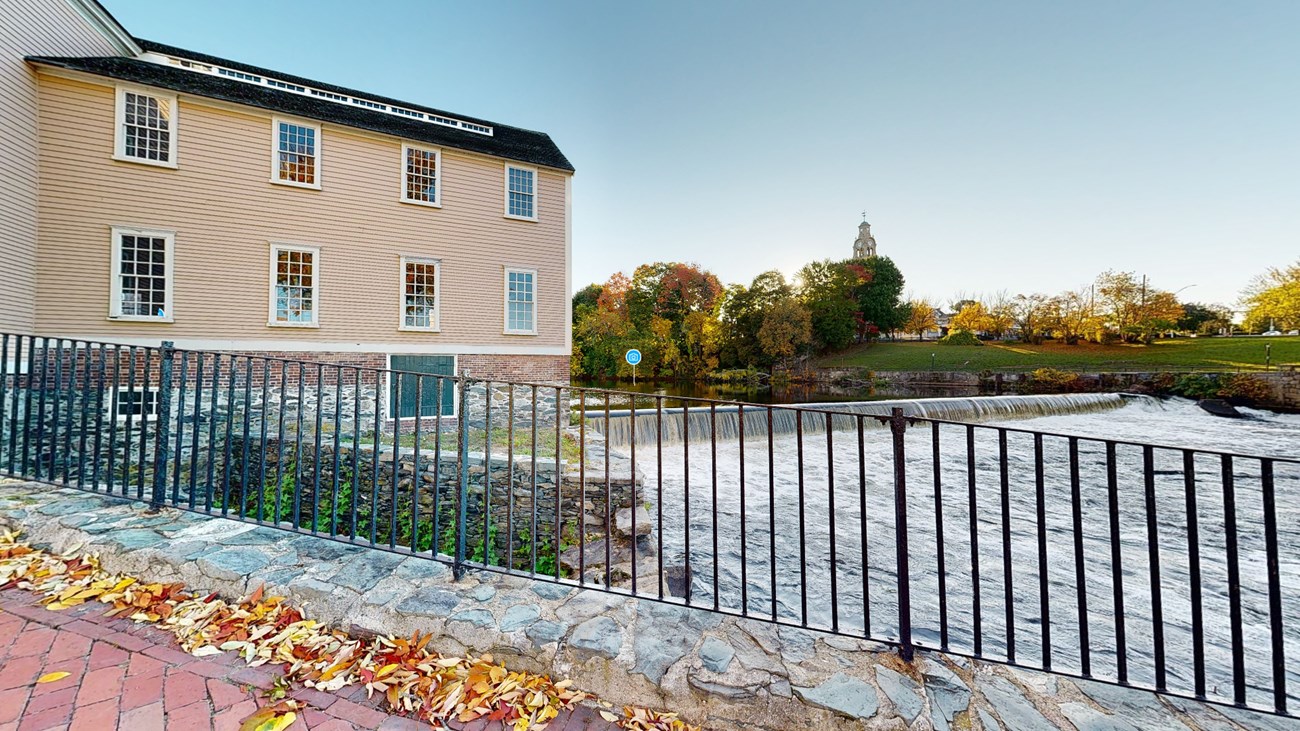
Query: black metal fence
{"x": 1134, "y": 563}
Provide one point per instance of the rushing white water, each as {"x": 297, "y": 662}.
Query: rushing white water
{"x": 724, "y": 421}
{"x": 789, "y": 501}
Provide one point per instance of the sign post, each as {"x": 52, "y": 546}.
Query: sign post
{"x": 633, "y": 357}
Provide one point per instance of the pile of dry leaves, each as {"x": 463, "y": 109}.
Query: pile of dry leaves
{"x": 262, "y": 629}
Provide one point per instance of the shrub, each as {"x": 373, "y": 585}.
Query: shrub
{"x": 1241, "y": 388}
{"x": 1051, "y": 380}
{"x": 1196, "y": 386}
{"x": 960, "y": 337}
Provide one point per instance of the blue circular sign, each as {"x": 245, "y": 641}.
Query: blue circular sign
{"x": 633, "y": 356}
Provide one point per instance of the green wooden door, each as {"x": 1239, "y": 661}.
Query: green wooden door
{"x": 433, "y": 365}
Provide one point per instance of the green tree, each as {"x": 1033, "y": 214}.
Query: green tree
{"x": 827, "y": 289}
{"x": 786, "y": 330}
{"x": 741, "y": 315}
{"x": 1273, "y": 299}
{"x": 879, "y": 293}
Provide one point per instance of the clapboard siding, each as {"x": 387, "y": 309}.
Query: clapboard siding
{"x": 225, "y": 211}
{"x": 28, "y": 27}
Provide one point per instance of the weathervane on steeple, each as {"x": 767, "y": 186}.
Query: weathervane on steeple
{"x": 865, "y": 245}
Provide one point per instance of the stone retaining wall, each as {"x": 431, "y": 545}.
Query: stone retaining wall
{"x": 720, "y": 671}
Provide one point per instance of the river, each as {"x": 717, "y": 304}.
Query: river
{"x": 800, "y": 581}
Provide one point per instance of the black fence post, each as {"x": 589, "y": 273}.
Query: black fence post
{"x": 897, "y": 426}
{"x": 162, "y": 437}
{"x": 462, "y": 502}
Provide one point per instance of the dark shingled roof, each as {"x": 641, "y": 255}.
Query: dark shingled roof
{"x": 508, "y": 142}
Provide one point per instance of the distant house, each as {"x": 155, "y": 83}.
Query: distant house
{"x": 153, "y": 193}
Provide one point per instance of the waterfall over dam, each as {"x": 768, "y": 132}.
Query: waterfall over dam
{"x": 724, "y": 419}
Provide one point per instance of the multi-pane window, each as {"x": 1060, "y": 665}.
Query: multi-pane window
{"x": 521, "y": 302}
{"x": 420, "y": 184}
{"x": 297, "y": 153}
{"x": 293, "y": 286}
{"x": 521, "y": 193}
{"x": 146, "y": 128}
{"x": 142, "y": 275}
{"x": 419, "y": 294}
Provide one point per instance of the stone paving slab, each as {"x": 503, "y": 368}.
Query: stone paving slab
{"x": 129, "y": 676}
{"x": 721, "y": 672}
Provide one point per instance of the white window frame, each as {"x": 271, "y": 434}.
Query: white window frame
{"x": 390, "y": 409}
{"x": 275, "y": 152}
{"x": 115, "y": 401}
{"x": 437, "y": 176}
{"x": 276, "y": 247}
{"x": 505, "y": 300}
{"x": 115, "y": 273}
{"x": 119, "y": 123}
{"x": 436, "y": 320}
{"x": 536, "y": 192}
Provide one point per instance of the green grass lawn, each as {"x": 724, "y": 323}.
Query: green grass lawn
{"x": 1220, "y": 354}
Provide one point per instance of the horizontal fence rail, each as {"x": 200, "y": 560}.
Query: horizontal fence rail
{"x": 1141, "y": 564}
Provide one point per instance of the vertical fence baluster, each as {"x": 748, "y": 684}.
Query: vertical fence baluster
{"x": 1116, "y": 564}
{"x": 55, "y": 457}
{"x": 1194, "y": 571}
{"x": 397, "y": 460}
{"x": 744, "y": 534}
{"x": 100, "y": 387}
{"x": 533, "y": 537}
{"x": 1153, "y": 556}
{"x": 898, "y": 427}
{"x": 356, "y": 457}
{"x": 487, "y": 473}
{"x": 297, "y": 446}
{"x": 1080, "y": 572}
{"x": 582, "y": 491}
{"x": 338, "y": 429}
{"x": 510, "y": 478}
{"x": 261, "y": 440}
{"x": 560, "y": 411}
{"x": 803, "y": 529}
{"x": 1040, "y": 504}
{"x": 437, "y": 467}
{"x": 1274, "y": 585}
{"x": 4, "y": 393}
{"x": 196, "y": 425}
{"x": 279, "y": 442}
{"x": 146, "y": 367}
{"x": 632, "y": 497}
{"x": 1008, "y": 590}
{"x": 771, "y": 509}
{"x": 316, "y": 454}
{"x": 40, "y": 409}
{"x": 27, "y": 406}
{"x": 210, "y": 488}
{"x": 940, "y": 550}
{"x": 862, "y": 526}
{"x": 972, "y": 500}
{"x": 228, "y": 459}
{"x": 246, "y": 453}
{"x": 713, "y": 500}
{"x": 13, "y": 373}
{"x": 686, "y": 498}
{"x": 1234, "y": 582}
{"x": 659, "y": 489}
{"x": 376, "y": 457}
{"x": 609, "y": 499}
{"x": 462, "y": 500}
{"x": 417, "y": 472}
{"x": 830, "y": 517}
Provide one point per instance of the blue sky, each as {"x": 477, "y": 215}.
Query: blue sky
{"x": 1012, "y": 145}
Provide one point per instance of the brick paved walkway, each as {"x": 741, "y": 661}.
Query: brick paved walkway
{"x": 133, "y": 677}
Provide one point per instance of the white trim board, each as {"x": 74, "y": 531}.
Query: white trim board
{"x": 307, "y": 346}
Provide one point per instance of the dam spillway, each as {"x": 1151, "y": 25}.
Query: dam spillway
{"x": 723, "y": 420}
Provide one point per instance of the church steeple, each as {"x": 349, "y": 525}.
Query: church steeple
{"x": 865, "y": 245}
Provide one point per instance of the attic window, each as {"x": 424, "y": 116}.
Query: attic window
{"x": 329, "y": 95}
{"x": 240, "y": 75}
{"x": 284, "y": 85}
{"x": 372, "y": 105}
